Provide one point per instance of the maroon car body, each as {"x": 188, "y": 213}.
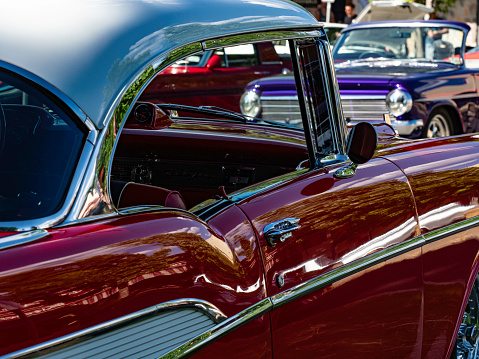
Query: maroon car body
{"x": 130, "y": 231}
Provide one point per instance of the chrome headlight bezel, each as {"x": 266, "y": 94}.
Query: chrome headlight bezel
{"x": 399, "y": 102}
{"x": 250, "y": 104}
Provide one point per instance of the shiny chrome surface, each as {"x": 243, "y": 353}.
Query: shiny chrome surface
{"x": 22, "y": 238}
{"x": 360, "y": 108}
{"x": 280, "y": 231}
{"x": 277, "y": 108}
{"x": 223, "y": 328}
{"x": 206, "y": 308}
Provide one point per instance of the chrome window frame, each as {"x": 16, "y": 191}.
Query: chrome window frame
{"x": 64, "y": 102}
{"x": 96, "y": 189}
{"x": 88, "y": 197}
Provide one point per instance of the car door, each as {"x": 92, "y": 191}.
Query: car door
{"x": 344, "y": 273}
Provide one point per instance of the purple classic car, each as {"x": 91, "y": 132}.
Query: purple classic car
{"x": 412, "y": 70}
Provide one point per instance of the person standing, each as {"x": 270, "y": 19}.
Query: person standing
{"x": 350, "y": 15}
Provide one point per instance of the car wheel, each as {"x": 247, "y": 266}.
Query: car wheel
{"x": 439, "y": 125}
{"x": 468, "y": 336}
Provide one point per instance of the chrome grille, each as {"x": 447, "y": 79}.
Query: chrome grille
{"x": 355, "y": 108}
{"x": 281, "y": 109}
{"x": 359, "y": 108}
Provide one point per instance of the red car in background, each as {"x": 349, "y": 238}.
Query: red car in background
{"x": 218, "y": 77}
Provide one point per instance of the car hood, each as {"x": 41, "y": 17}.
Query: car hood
{"x": 400, "y": 67}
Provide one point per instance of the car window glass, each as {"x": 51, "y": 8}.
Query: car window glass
{"x": 39, "y": 149}
{"x": 413, "y": 43}
{"x": 314, "y": 90}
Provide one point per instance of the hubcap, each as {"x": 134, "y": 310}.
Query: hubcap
{"x": 468, "y": 335}
{"x": 438, "y": 127}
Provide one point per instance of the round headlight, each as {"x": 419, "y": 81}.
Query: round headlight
{"x": 399, "y": 102}
{"x": 250, "y": 104}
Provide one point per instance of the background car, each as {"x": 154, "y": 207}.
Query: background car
{"x": 162, "y": 230}
{"x": 387, "y": 68}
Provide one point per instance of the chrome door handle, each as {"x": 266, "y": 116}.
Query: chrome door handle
{"x": 261, "y": 72}
{"x": 281, "y": 230}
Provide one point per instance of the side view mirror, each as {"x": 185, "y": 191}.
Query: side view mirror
{"x": 214, "y": 62}
{"x": 361, "y": 144}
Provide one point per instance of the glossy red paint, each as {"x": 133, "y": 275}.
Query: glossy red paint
{"x": 447, "y": 167}
{"x": 446, "y": 289}
{"x": 375, "y": 313}
{"x": 89, "y": 274}
{"x": 324, "y": 204}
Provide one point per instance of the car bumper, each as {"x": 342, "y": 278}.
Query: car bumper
{"x": 403, "y": 128}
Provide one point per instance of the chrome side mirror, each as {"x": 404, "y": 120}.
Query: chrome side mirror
{"x": 360, "y": 147}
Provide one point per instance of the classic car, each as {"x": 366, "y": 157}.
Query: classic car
{"x": 391, "y": 68}
{"x": 132, "y": 229}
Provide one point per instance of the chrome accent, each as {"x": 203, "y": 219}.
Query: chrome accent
{"x": 284, "y": 109}
{"x": 72, "y": 106}
{"x": 403, "y": 128}
{"x": 451, "y": 229}
{"x": 314, "y": 31}
{"x": 364, "y": 108}
{"x": 94, "y": 200}
{"x": 93, "y": 135}
{"x": 22, "y": 238}
{"x": 50, "y": 347}
{"x": 281, "y": 230}
{"x": 347, "y": 171}
{"x": 225, "y": 327}
{"x": 344, "y": 271}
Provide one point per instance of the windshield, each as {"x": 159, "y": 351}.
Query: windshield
{"x": 410, "y": 43}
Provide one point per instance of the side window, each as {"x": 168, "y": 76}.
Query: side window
{"x": 315, "y": 90}
{"x": 39, "y": 149}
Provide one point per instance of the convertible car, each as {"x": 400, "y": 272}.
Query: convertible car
{"x": 133, "y": 229}
{"x": 414, "y": 71}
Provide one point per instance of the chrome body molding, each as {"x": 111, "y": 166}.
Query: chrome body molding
{"x": 153, "y": 318}
{"x": 22, "y": 238}
{"x": 451, "y": 229}
{"x": 345, "y": 271}
{"x": 225, "y": 327}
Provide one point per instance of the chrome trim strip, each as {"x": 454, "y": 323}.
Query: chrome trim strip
{"x": 22, "y": 238}
{"x": 451, "y": 229}
{"x": 363, "y": 97}
{"x": 279, "y": 98}
{"x": 263, "y": 36}
{"x": 210, "y": 310}
{"x": 344, "y": 271}
{"x": 225, "y": 327}
{"x": 40, "y": 81}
